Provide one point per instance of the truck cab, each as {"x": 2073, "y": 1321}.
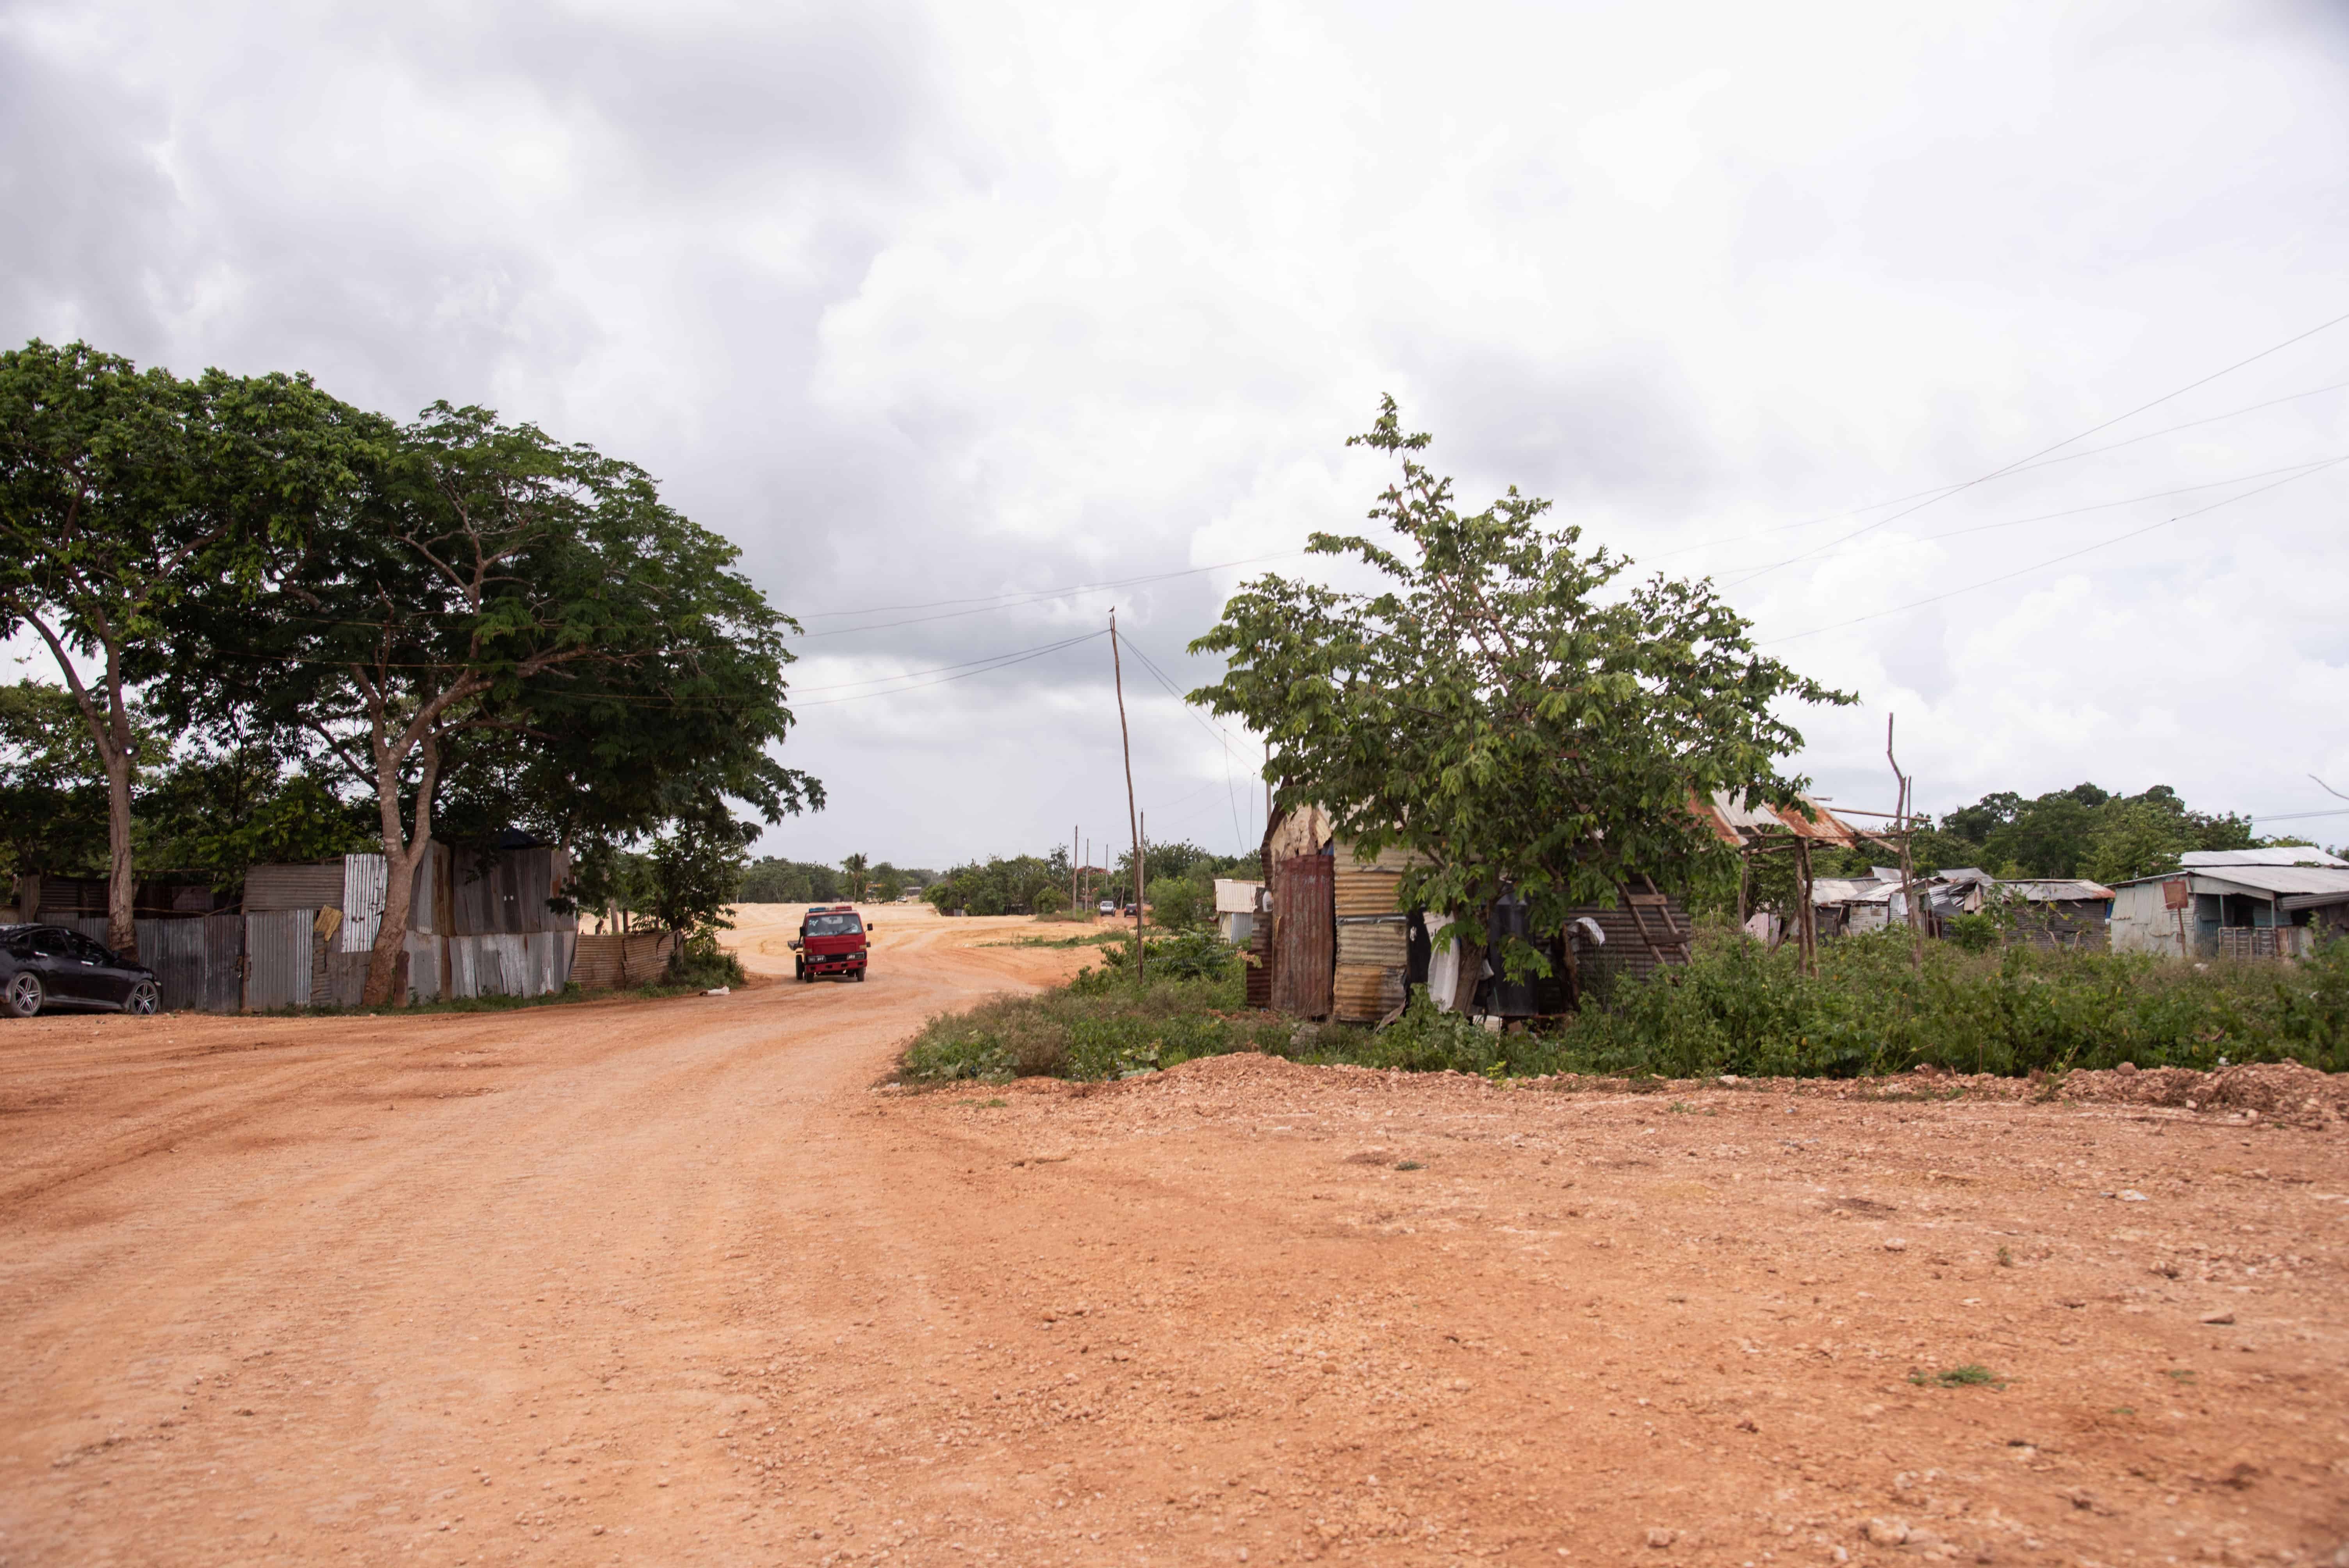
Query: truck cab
{"x": 832, "y": 940}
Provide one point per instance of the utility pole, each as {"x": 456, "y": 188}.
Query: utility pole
{"x": 1133, "y": 818}
{"x": 1074, "y": 905}
{"x": 1907, "y": 861}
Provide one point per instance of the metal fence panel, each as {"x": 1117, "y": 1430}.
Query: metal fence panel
{"x": 282, "y": 888}
{"x": 90, "y": 925}
{"x": 223, "y": 963}
{"x": 174, "y": 950}
{"x": 364, "y": 883}
{"x": 464, "y": 968}
{"x": 423, "y": 966}
{"x": 1304, "y": 929}
{"x": 278, "y": 958}
{"x": 502, "y": 955}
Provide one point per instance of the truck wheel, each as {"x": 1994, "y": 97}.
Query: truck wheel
{"x": 24, "y": 997}
{"x": 860, "y": 977}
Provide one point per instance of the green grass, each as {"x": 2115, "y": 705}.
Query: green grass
{"x": 1972, "y": 1375}
{"x": 1736, "y": 1008}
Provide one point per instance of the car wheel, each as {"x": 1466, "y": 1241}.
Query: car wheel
{"x": 24, "y": 996}
{"x": 145, "y": 999}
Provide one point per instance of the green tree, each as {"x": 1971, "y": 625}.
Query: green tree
{"x": 526, "y": 621}
{"x": 1000, "y": 885}
{"x": 53, "y": 786}
{"x": 1179, "y": 902}
{"x": 696, "y": 865}
{"x": 1502, "y": 704}
{"x": 772, "y": 880}
{"x": 121, "y": 488}
{"x": 854, "y": 878}
{"x": 221, "y": 803}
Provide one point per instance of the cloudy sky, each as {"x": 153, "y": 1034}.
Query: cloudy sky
{"x": 940, "y": 311}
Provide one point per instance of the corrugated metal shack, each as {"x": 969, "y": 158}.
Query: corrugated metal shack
{"x": 1340, "y": 942}
{"x": 303, "y": 934}
{"x": 2235, "y": 903}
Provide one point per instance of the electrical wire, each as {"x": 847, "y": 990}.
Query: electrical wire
{"x": 1004, "y": 664}
{"x": 2021, "y": 462}
{"x": 2108, "y": 505}
{"x": 940, "y": 670}
{"x": 2054, "y": 560}
{"x": 1946, "y": 490}
{"x": 1214, "y": 731}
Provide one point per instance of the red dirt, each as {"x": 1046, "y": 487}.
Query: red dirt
{"x": 659, "y": 1282}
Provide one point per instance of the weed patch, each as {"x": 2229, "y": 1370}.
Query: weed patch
{"x": 1972, "y": 1375}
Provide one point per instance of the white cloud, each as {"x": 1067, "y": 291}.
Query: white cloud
{"x": 919, "y": 303}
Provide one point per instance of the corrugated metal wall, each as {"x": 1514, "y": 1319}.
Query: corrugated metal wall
{"x": 364, "y": 888}
{"x": 613, "y": 961}
{"x": 270, "y": 890}
{"x": 278, "y": 958}
{"x": 1303, "y": 931}
{"x": 174, "y": 950}
{"x": 223, "y": 963}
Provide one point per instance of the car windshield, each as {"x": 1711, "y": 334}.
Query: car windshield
{"x": 833, "y": 926}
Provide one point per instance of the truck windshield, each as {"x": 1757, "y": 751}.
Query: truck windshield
{"x": 833, "y": 926}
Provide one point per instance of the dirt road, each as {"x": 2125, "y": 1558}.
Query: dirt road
{"x": 670, "y": 1283}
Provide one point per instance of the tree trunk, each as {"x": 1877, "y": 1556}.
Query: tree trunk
{"x": 110, "y": 731}
{"x": 121, "y": 925}
{"x": 402, "y": 852}
{"x": 391, "y": 936}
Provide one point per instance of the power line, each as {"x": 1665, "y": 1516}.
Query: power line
{"x": 1938, "y": 490}
{"x": 2043, "y": 451}
{"x": 2054, "y": 561}
{"x": 1003, "y": 664}
{"x": 2131, "y": 501}
{"x": 909, "y": 675}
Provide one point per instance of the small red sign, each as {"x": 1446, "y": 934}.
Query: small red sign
{"x": 2177, "y": 895}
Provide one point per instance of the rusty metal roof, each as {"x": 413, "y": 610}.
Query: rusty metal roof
{"x": 1734, "y": 822}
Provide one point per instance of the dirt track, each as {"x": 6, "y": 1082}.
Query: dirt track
{"x": 670, "y": 1283}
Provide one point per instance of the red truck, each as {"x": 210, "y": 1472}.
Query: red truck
{"x": 830, "y": 942}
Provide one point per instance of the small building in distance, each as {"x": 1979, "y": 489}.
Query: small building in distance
{"x": 2234, "y": 903}
{"x": 1237, "y": 904}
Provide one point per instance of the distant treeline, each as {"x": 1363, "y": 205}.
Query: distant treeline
{"x": 772, "y": 879}
{"x": 1180, "y": 887}
{"x": 2083, "y": 832}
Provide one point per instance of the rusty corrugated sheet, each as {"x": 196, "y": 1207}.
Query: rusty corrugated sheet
{"x": 1383, "y": 940}
{"x": 1365, "y": 993}
{"x": 1258, "y": 983}
{"x": 1303, "y": 930}
{"x": 277, "y": 958}
{"x": 1363, "y": 891}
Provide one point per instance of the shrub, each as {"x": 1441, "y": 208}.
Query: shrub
{"x": 701, "y": 963}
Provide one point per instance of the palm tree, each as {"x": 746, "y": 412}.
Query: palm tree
{"x": 852, "y": 869}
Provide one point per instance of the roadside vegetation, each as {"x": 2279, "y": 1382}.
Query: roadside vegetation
{"x": 1739, "y": 1008}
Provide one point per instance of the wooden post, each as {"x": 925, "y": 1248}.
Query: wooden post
{"x": 1074, "y": 906}
{"x": 1907, "y": 860}
{"x": 1807, "y": 933}
{"x": 1133, "y": 818}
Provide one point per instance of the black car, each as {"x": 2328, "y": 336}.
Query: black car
{"x": 49, "y": 967}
